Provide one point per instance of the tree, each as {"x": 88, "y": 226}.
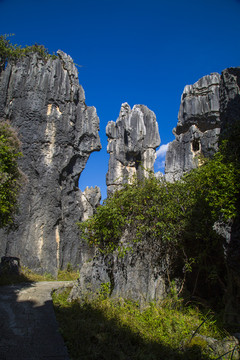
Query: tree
{"x": 11, "y": 52}
{"x": 11, "y": 176}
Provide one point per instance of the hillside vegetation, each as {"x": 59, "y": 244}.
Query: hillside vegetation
{"x": 185, "y": 217}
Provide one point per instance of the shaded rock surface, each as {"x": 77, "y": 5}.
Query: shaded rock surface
{"x": 230, "y": 115}
{"x": 132, "y": 142}
{"x": 197, "y": 129}
{"x": 140, "y": 275}
{"x": 223, "y": 349}
{"x": 46, "y": 105}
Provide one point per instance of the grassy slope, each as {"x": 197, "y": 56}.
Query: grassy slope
{"x": 104, "y": 328}
{"x": 29, "y": 276}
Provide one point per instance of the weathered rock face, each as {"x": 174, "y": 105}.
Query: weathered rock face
{"x": 132, "y": 141}
{"x": 90, "y": 199}
{"x": 197, "y": 129}
{"x": 45, "y": 103}
{"x": 209, "y": 106}
{"x": 230, "y": 97}
{"x": 141, "y": 275}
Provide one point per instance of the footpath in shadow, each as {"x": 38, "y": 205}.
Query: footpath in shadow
{"x": 28, "y": 327}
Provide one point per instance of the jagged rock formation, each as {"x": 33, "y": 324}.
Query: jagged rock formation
{"x": 45, "y": 103}
{"x": 197, "y": 129}
{"x": 141, "y": 275}
{"x": 132, "y": 142}
{"x": 210, "y": 104}
{"x": 90, "y": 199}
{"x": 209, "y": 108}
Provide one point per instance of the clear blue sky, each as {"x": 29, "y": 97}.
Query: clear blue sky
{"x": 140, "y": 52}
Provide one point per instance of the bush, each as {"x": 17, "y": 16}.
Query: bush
{"x": 11, "y": 177}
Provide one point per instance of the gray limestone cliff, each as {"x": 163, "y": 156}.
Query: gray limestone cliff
{"x": 132, "y": 143}
{"x": 46, "y": 105}
{"x": 197, "y": 129}
{"x": 207, "y": 112}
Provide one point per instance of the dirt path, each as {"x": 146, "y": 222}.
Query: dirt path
{"x": 28, "y": 327}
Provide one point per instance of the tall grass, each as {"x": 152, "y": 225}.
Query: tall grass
{"x": 27, "y": 275}
{"x": 108, "y": 329}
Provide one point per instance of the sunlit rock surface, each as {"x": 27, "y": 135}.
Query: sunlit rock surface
{"x": 197, "y": 129}
{"x": 45, "y": 103}
{"x": 132, "y": 143}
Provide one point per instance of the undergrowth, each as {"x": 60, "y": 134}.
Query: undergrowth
{"x": 104, "y": 328}
{"x": 28, "y": 275}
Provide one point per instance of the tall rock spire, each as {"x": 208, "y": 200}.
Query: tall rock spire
{"x": 46, "y": 105}
{"x": 197, "y": 129}
{"x": 132, "y": 143}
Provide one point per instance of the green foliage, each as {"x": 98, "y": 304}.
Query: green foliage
{"x": 146, "y": 209}
{"x": 67, "y": 275}
{"x": 11, "y": 52}
{"x": 160, "y": 211}
{"x": 175, "y": 218}
{"x": 28, "y": 275}
{"x": 11, "y": 177}
{"x": 103, "y": 328}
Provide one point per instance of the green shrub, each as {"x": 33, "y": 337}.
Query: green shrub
{"x": 11, "y": 178}
{"x": 177, "y": 218}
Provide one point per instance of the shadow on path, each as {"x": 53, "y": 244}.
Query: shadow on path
{"x": 28, "y": 327}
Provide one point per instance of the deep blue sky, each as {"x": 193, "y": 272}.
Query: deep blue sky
{"x": 140, "y": 52}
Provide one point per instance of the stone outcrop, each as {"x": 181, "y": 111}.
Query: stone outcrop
{"x": 90, "y": 199}
{"x": 197, "y": 129}
{"x": 46, "y": 105}
{"x": 209, "y": 105}
{"x": 132, "y": 143}
{"x": 230, "y": 97}
{"x": 141, "y": 275}
{"x": 209, "y": 108}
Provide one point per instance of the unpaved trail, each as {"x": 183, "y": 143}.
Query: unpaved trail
{"x": 28, "y": 327}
